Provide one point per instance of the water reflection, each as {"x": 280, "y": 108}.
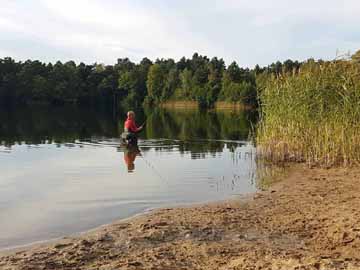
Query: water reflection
{"x": 66, "y": 126}
{"x": 130, "y": 154}
{"x": 62, "y": 170}
{"x": 194, "y": 124}
{"x": 44, "y": 125}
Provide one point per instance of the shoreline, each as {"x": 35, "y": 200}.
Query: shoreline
{"x": 149, "y": 211}
{"x": 46, "y": 242}
{"x": 193, "y": 105}
{"x": 309, "y": 219}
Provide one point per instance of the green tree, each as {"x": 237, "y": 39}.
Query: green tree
{"x": 171, "y": 84}
{"x": 155, "y": 82}
{"x": 216, "y": 70}
{"x": 186, "y": 84}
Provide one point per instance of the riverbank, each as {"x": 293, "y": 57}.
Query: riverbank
{"x": 179, "y": 104}
{"x": 309, "y": 220}
{"x": 219, "y": 105}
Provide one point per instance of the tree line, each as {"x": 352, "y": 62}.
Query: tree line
{"x": 197, "y": 79}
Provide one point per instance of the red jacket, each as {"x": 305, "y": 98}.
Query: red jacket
{"x": 130, "y": 126}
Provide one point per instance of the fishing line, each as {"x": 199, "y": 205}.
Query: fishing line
{"x": 148, "y": 163}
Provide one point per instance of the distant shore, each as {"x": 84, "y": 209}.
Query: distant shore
{"x": 219, "y": 105}
{"x": 309, "y": 220}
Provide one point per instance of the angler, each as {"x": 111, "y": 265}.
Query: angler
{"x": 129, "y": 136}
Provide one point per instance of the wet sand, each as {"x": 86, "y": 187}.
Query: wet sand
{"x": 309, "y": 220}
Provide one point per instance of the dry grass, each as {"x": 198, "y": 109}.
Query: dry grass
{"x": 312, "y": 116}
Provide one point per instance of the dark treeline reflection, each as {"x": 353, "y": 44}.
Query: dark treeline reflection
{"x": 43, "y": 124}
{"x": 188, "y": 125}
{"x": 199, "y": 132}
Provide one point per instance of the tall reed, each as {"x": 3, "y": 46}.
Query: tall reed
{"x": 312, "y": 115}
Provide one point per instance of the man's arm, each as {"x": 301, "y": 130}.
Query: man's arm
{"x": 135, "y": 128}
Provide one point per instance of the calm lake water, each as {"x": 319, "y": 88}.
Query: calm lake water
{"x": 63, "y": 171}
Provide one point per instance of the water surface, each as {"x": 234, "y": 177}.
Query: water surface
{"x": 63, "y": 170}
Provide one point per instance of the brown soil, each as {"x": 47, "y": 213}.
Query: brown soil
{"x": 310, "y": 220}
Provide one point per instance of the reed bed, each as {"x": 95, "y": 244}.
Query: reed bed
{"x": 312, "y": 115}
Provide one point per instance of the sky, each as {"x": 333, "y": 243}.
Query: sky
{"x": 248, "y": 32}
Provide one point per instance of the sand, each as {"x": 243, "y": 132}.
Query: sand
{"x": 309, "y": 220}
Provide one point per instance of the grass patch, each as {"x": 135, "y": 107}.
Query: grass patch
{"x": 312, "y": 115}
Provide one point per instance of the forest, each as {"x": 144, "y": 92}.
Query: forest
{"x": 199, "y": 79}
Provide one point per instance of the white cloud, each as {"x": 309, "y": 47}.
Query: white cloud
{"x": 249, "y": 32}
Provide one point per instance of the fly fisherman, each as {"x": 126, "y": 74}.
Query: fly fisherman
{"x": 130, "y": 129}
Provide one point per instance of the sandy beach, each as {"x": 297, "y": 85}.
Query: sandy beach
{"x": 309, "y": 220}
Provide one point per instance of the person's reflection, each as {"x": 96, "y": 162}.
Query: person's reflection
{"x": 130, "y": 154}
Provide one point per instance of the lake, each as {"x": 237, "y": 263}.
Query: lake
{"x": 63, "y": 170}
